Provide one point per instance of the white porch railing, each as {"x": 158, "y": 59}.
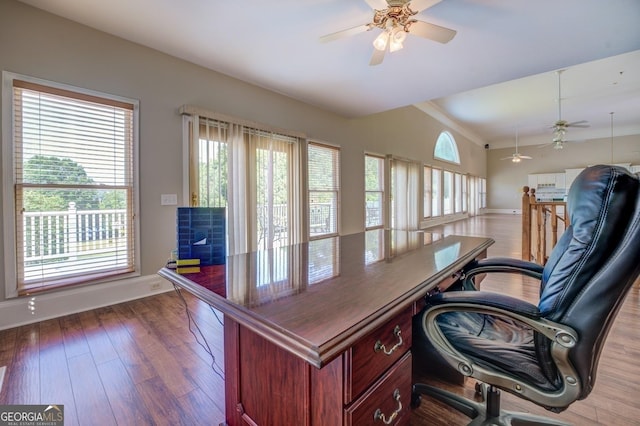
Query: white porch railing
{"x": 58, "y": 235}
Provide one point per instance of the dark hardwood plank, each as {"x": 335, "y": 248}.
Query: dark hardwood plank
{"x": 203, "y": 410}
{"x": 90, "y": 397}
{"x": 73, "y": 336}
{"x": 129, "y": 351}
{"x": 54, "y": 373}
{"x": 97, "y": 338}
{"x": 199, "y": 371}
{"x": 171, "y": 371}
{"x": 7, "y": 352}
{"x": 164, "y": 410}
{"x": 126, "y": 403}
{"x": 23, "y": 373}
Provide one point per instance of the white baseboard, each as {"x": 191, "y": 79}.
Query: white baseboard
{"x": 441, "y": 220}
{"x": 30, "y": 309}
{"x": 504, "y": 211}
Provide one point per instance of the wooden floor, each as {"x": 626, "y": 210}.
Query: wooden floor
{"x": 138, "y": 363}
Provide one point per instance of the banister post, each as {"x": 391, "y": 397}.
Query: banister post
{"x": 554, "y": 225}
{"x": 526, "y": 224}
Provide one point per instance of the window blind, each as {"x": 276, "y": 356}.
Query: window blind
{"x": 374, "y": 191}
{"x": 324, "y": 189}
{"x": 74, "y": 183}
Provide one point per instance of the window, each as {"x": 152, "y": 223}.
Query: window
{"x": 446, "y": 148}
{"x": 405, "y": 193}
{"x": 465, "y": 193}
{"x": 447, "y": 193}
{"x": 271, "y": 159}
{"x": 482, "y": 193}
{"x": 374, "y": 191}
{"x": 210, "y": 163}
{"x": 457, "y": 190}
{"x": 426, "y": 208}
{"x": 323, "y": 164}
{"x": 255, "y": 172}
{"x": 73, "y": 197}
{"x": 436, "y": 202}
{"x": 473, "y": 195}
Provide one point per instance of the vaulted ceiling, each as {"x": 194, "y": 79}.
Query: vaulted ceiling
{"x": 495, "y": 76}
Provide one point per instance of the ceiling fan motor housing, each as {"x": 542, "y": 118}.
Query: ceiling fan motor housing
{"x": 394, "y": 16}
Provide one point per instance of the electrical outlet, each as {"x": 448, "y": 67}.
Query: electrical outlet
{"x": 168, "y": 199}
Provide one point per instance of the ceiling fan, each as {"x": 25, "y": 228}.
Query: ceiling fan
{"x": 516, "y": 157}
{"x": 560, "y": 126}
{"x": 395, "y": 19}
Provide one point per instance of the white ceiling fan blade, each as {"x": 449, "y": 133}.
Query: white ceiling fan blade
{"x": 548, "y": 144}
{"x": 377, "y": 57}
{"x": 526, "y": 157}
{"x": 507, "y": 158}
{"x": 432, "y": 31}
{"x": 420, "y": 5}
{"x": 581, "y": 123}
{"x": 345, "y": 33}
{"x": 377, "y": 4}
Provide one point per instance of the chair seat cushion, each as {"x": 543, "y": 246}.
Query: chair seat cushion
{"x": 495, "y": 343}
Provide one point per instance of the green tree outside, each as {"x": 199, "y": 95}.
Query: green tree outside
{"x": 51, "y": 170}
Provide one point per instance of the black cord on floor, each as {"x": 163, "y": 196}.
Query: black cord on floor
{"x": 215, "y": 313}
{"x": 192, "y": 323}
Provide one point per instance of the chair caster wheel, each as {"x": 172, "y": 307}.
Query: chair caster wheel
{"x": 415, "y": 400}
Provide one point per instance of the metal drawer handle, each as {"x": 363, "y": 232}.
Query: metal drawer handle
{"x": 379, "y": 416}
{"x": 380, "y": 347}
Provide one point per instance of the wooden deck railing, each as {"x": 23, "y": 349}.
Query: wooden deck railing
{"x": 542, "y": 222}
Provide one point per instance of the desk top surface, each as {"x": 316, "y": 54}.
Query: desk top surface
{"x": 316, "y": 299}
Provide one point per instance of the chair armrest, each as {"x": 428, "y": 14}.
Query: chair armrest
{"x": 500, "y": 265}
{"x": 486, "y": 302}
{"x": 563, "y": 338}
{"x": 486, "y": 299}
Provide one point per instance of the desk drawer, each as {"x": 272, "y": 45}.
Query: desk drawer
{"x": 388, "y": 399}
{"x": 372, "y": 355}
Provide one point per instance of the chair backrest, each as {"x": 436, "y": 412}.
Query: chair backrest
{"x": 595, "y": 262}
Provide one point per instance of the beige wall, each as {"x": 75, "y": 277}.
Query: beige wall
{"x": 408, "y": 132}
{"x": 505, "y": 179}
{"x": 41, "y": 45}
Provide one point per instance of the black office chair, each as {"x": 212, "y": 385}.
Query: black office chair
{"x": 549, "y": 353}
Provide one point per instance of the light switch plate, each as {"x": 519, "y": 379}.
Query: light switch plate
{"x": 168, "y": 199}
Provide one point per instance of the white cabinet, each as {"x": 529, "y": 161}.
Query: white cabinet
{"x": 547, "y": 180}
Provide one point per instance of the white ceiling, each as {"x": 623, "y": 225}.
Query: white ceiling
{"x": 496, "y": 75}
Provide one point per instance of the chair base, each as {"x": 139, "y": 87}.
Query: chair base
{"x": 481, "y": 414}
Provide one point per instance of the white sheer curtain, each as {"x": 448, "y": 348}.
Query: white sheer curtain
{"x": 265, "y": 186}
{"x": 238, "y": 211}
{"x": 405, "y": 194}
{"x": 473, "y": 196}
{"x": 270, "y": 187}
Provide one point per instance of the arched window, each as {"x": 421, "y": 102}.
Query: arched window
{"x": 446, "y": 148}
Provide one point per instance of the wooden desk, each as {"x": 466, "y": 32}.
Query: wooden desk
{"x": 320, "y": 333}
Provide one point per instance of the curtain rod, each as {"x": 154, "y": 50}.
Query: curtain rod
{"x": 202, "y": 112}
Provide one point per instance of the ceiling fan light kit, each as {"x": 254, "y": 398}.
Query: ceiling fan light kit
{"x": 395, "y": 19}
{"x": 516, "y": 157}
{"x": 381, "y": 41}
{"x": 560, "y": 126}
